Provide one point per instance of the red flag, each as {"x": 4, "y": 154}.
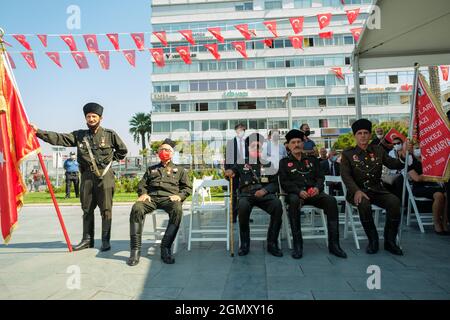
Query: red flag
{"x": 356, "y": 33}
{"x": 214, "y": 49}
{"x": 268, "y": 42}
{"x": 444, "y": 70}
{"x": 216, "y": 33}
{"x": 158, "y": 56}
{"x": 240, "y": 47}
{"x": 187, "y": 34}
{"x": 139, "y": 40}
{"x": 184, "y": 54}
{"x": 338, "y": 72}
{"x": 91, "y": 42}
{"x": 392, "y": 134}
{"x": 80, "y": 59}
{"x": 54, "y": 56}
{"x": 29, "y": 58}
{"x": 297, "y": 24}
{"x": 103, "y": 58}
{"x": 406, "y": 87}
{"x": 326, "y": 35}
{"x": 243, "y": 29}
{"x": 114, "y": 38}
{"x": 68, "y": 39}
{"x": 297, "y": 42}
{"x": 161, "y": 35}
{"x": 22, "y": 40}
{"x": 17, "y": 141}
{"x": 324, "y": 19}
{"x": 11, "y": 61}
{"x": 43, "y": 39}
{"x": 272, "y": 27}
{"x": 130, "y": 55}
{"x": 352, "y": 15}
{"x": 433, "y": 133}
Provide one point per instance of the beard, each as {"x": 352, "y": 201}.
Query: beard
{"x": 93, "y": 127}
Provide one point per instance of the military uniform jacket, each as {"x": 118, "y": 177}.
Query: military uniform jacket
{"x": 165, "y": 181}
{"x": 361, "y": 170}
{"x": 253, "y": 177}
{"x": 300, "y": 175}
{"x": 106, "y": 146}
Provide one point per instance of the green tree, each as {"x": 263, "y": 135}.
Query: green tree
{"x": 141, "y": 128}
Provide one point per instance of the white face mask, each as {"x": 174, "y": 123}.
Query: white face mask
{"x": 398, "y": 147}
{"x": 241, "y": 134}
{"x": 417, "y": 153}
{"x": 380, "y": 136}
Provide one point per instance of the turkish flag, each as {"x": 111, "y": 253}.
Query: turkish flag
{"x": 130, "y": 55}
{"x": 326, "y": 35}
{"x": 22, "y": 40}
{"x": 356, "y": 33}
{"x": 11, "y": 61}
{"x": 392, "y": 134}
{"x": 297, "y": 42}
{"x": 444, "y": 70}
{"x": 272, "y": 27}
{"x": 268, "y": 42}
{"x": 214, "y": 49}
{"x": 91, "y": 42}
{"x": 184, "y": 54}
{"x": 187, "y": 34}
{"x": 324, "y": 19}
{"x": 158, "y": 56}
{"x": 243, "y": 29}
{"x": 54, "y": 56}
{"x": 139, "y": 40}
{"x": 297, "y": 24}
{"x": 17, "y": 142}
{"x": 216, "y": 33}
{"x": 162, "y": 37}
{"x": 29, "y": 58}
{"x": 338, "y": 72}
{"x": 114, "y": 38}
{"x": 69, "y": 40}
{"x": 103, "y": 58}
{"x": 352, "y": 15}
{"x": 43, "y": 39}
{"x": 80, "y": 59}
{"x": 240, "y": 47}
{"x": 406, "y": 87}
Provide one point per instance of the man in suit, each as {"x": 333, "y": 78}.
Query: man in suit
{"x": 331, "y": 167}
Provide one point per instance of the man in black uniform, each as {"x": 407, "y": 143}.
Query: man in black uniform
{"x": 303, "y": 181}
{"x": 258, "y": 185}
{"x": 97, "y": 149}
{"x": 164, "y": 186}
{"x": 361, "y": 169}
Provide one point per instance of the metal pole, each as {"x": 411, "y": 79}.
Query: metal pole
{"x": 57, "y": 166}
{"x": 357, "y": 87}
{"x": 288, "y": 101}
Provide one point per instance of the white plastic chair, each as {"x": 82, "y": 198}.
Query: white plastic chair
{"x": 339, "y": 199}
{"x": 422, "y": 218}
{"x": 208, "y": 190}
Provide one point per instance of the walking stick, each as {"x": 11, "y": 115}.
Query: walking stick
{"x": 231, "y": 218}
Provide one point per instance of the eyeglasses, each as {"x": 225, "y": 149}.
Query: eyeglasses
{"x": 165, "y": 149}
{"x": 397, "y": 144}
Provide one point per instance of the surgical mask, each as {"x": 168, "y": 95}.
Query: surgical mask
{"x": 334, "y": 158}
{"x": 398, "y": 147}
{"x": 254, "y": 154}
{"x": 73, "y": 157}
{"x": 307, "y": 133}
{"x": 417, "y": 153}
{"x": 164, "y": 155}
{"x": 241, "y": 134}
{"x": 380, "y": 136}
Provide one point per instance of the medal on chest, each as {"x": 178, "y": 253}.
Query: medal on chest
{"x": 102, "y": 142}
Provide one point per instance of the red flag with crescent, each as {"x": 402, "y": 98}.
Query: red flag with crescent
{"x": 243, "y": 29}
{"x": 324, "y": 19}
{"x": 352, "y": 15}
{"x": 91, "y": 42}
{"x": 29, "y": 58}
{"x": 162, "y": 37}
{"x": 268, "y": 42}
{"x": 356, "y": 32}
{"x": 187, "y": 34}
{"x": 444, "y": 70}
{"x": 297, "y": 24}
{"x": 130, "y": 55}
{"x": 338, "y": 72}
{"x": 139, "y": 40}
{"x": 326, "y": 35}
{"x": 216, "y": 33}
{"x": 185, "y": 54}
{"x": 272, "y": 27}
{"x": 114, "y": 38}
{"x": 22, "y": 40}
{"x": 11, "y": 61}
{"x": 394, "y": 133}
{"x": 214, "y": 49}
{"x": 70, "y": 41}
{"x": 43, "y": 39}
{"x": 55, "y": 57}
{"x": 80, "y": 59}
{"x": 297, "y": 42}
{"x": 240, "y": 47}
{"x": 158, "y": 56}
{"x": 103, "y": 58}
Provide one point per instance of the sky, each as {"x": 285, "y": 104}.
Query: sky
{"x": 54, "y": 97}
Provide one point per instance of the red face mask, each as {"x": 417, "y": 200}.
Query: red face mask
{"x": 254, "y": 154}
{"x": 164, "y": 155}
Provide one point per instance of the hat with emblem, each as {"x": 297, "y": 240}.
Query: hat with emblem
{"x": 170, "y": 142}
{"x": 93, "y": 107}
{"x": 362, "y": 124}
{"x": 295, "y": 134}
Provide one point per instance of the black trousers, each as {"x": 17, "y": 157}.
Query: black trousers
{"x": 72, "y": 178}
{"x": 321, "y": 201}
{"x": 173, "y": 208}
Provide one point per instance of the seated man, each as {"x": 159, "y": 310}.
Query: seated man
{"x": 164, "y": 186}
{"x": 258, "y": 185}
{"x": 303, "y": 181}
{"x": 331, "y": 167}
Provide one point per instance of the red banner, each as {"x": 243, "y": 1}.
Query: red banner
{"x": 214, "y": 49}
{"x": 297, "y": 42}
{"x": 80, "y": 59}
{"x": 326, "y": 35}
{"x": 69, "y": 40}
{"x": 392, "y": 134}
{"x": 54, "y": 56}
{"x": 22, "y": 40}
{"x": 91, "y": 42}
{"x": 185, "y": 54}
{"x": 356, "y": 32}
{"x": 139, "y": 40}
{"x": 216, "y": 33}
{"x": 11, "y": 61}
{"x": 297, "y": 24}
{"x": 158, "y": 56}
{"x": 268, "y": 42}
{"x": 338, "y": 72}
{"x": 243, "y": 29}
{"x": 240, "y": 47}
{"x": 130, "y": 55}
{"x": 272, "y": 27}
{"x": 352, "y": 15}
{"x": 444, "y": 70}
{"x": 43, "y": 39}
{"x": 324, "y": 20}
{"x": 103, "y": 58}
{"x": 114, "y": 38}
{"x": 29, "y": 58}
{"x": 162, "y": 37}
{"x": 433, "y": 134}
{"x": 187, "y": 34}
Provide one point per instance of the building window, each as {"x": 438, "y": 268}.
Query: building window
{"x": 393, "y": 79}
{"x": 322, "y": 102}
{"x": 308, "y": 42}
{"x": 201, "y": 106}
{"x": 175, "y": 107}
{"x": 246, "y": 105}
{"x": 348, "y": 61}
{"x": 323, "y": 123}
{"x": 268, "y": 5}
{"x": 246, "y": 6}
{"x": 351, "y": 101}
{"x": 302, "y": 3}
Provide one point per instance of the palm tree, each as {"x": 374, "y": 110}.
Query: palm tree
{"x": 141, "y": 129}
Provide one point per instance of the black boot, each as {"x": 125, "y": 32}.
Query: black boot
{"x": 166, "y": 243}
{"x": 297, "y": 238}
{"x": 88, "y": 233}
{"x": 244, "y": 249}
{"x": 135, "y": 242}
{"x": 372, "y": 236}
{"x": 390, "y": 237}
{"x": 272, "y": 237}
{"x": 333, "y": 240}
{"x": 106, "y": 234}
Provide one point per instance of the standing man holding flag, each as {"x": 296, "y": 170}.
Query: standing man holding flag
{"x": 97, "y": 149}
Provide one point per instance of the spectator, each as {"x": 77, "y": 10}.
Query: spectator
{"x": 393, "y": 179}
{"x": 37, "y": 179}
{"x": 72, "y": 175}
{"x": 309, "y": 148}
{"x": 273, "y": 150}
{"x": 380, "y": 140}
{"x": 323, "y": 154}
{"x": 330, "y": 167}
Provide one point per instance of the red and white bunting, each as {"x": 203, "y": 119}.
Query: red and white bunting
{"x": 352, "y": 15}
{"x": 356, "y": 32}
{"x": 445, "y": 70}
{"x": 91, "y": 42}
{"x": 103, "y": 58}
{"x": 187, "y": 34}
{"x": 43, "y": 39}
{"x": 29, "y": 58}
{"x": 324, "y": 20}
{"x": 139, "y": 40}
{"x": 243, "y": 29}
{"x": 326, "y": 35}
{"x": 11, "y": 61}
{"x": 272, "y": 27}
{"x": 114, "y": 38}
{"x": 240, "y": 47}
{"x": 22, "y": 40}
{"x": 55, "y": 57}
{"x": 217, "y": 34}
{"x": 185, "y": 54}
{"x": 338, "y": 72}
{"x": 130, "y": 55}
{"x": 297, "y": 42}
{"x": 158, "y": 56}
{"x": 70, "y": 41}
{"x": 162, "y": 37}
{"x": 214, "y": 49}
{"x": 268, "y": 42}
{"x": 297, "y": 24}
{"x": 80, "y": 59}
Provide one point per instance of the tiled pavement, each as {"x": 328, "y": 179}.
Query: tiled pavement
{"x": 35, "y": 266}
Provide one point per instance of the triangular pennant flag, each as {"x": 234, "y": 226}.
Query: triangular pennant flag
{"x": 43, "y": 38}
{"x": 69, "y": 40}
{"x": 243, "y": 29}
{"x": 356, "y": 33}
{"x": 445, "y": 70}
{"x": 130, "y": 55}
{"x": 10, "y": 59}
{"x": 103, "y": 58}
{"x": 184, "y": 53}
{"x": 240, "y": 47}
{"x": 272, "y": 27}
{"x": 352, "y": 15}
{"x": 297, "y": 42}
{"x": 139, "y": 40}
{"x": 158, "y": 56}
{"x": 297, "y": 24}
{"x": 80, "y": 59}
{"x": 268, "y": 42}
{"x": 324, "y": 19}
{"x": 216, "y": 33}
{"x": 22, "y": 40}
{"x": 29, "y": 58}
{"x": 114, "y": 38}
{"x": 326, "y": 35}
{"x": 91, "y": 42}
{"x": 338, "y": 72}
{"x": 162, "y": 37}
{"x": 214, "y": 49}
{"x": 54, "y": 56}
{"x": 187, "y": 34}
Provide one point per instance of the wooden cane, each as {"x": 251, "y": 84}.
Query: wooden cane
{"x": 231, "y": 218}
